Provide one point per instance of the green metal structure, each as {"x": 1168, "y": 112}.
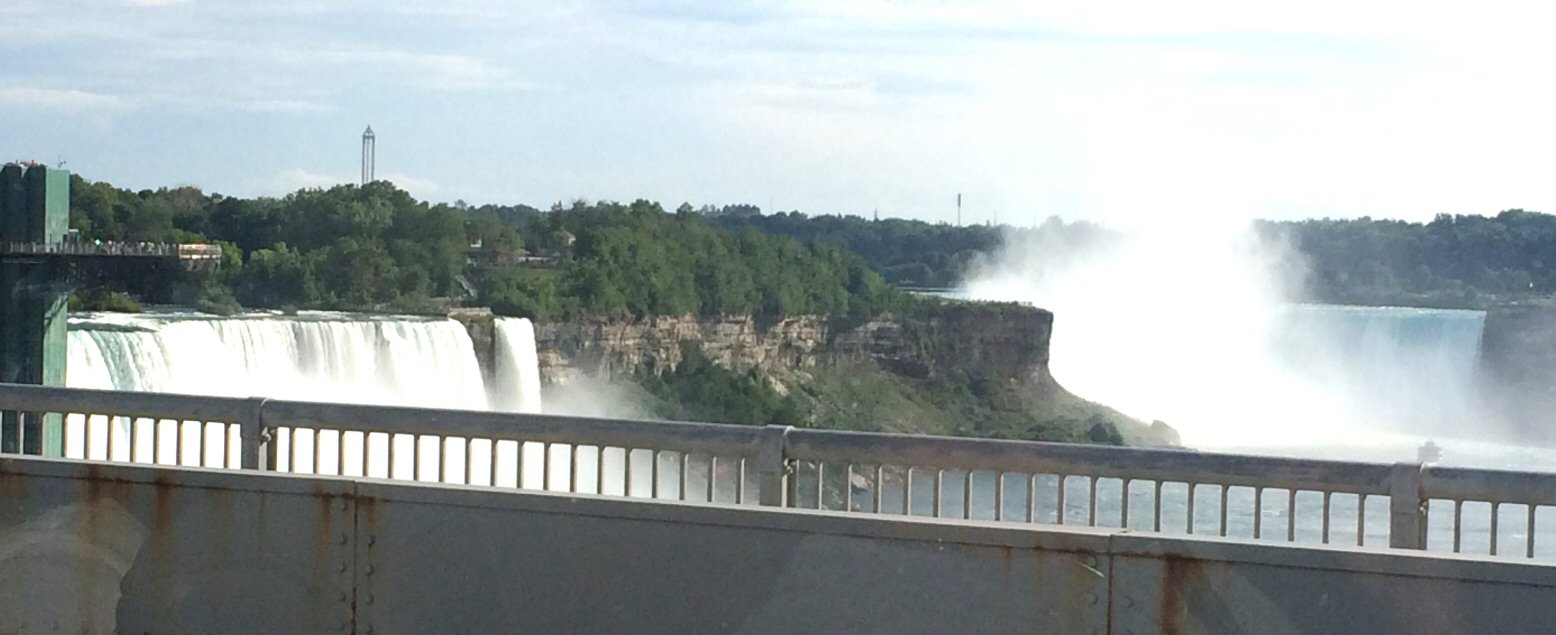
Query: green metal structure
{"x": 34, "y": 209}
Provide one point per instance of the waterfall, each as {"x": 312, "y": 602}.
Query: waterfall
{"x": 1414, "y": 370}
{"x": 517, "y": 375}
{"x": 314, "y": 356}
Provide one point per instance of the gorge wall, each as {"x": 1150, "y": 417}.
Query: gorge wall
{"x": 1006, "y": 341}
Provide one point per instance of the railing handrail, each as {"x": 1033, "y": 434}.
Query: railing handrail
{"x": 1164, "y": 464}
{"x": 774, "y": 451}
{"x": 733, "y": 440}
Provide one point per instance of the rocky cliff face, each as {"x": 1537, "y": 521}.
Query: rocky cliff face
{"x": 1004, "y": 340}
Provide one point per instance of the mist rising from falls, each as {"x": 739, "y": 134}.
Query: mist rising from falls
{"x": 1196, "y": 327}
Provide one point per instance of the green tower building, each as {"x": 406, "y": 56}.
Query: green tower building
{"x": 34, "y": 214}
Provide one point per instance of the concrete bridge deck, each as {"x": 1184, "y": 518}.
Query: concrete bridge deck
{"x": 156, "y": 533}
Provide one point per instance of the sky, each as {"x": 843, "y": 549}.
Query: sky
{"x": 1122, "y": 112}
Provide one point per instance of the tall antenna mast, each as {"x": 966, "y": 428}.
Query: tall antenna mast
{"x": 368, "y": 155}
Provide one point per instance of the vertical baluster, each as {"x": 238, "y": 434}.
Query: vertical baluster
{"x": 1031, "y": 498}
{"x": 1258, "y": 513}
{"x": 1091, "y": 510}
{"x": 156, "y": 440}
{"x": 1123, "y": 513}
{"x": 999, "y": 495}
{"x": 442, "y": 458}
{"x": 202, "y": 426}
{"x": 1190, "y": 521}
{"x": 416, "y": 440}
{"x": 1361, "y": 519}
{"x": 367, "y": 454}
{"x": 682, "y": 486}
{"x": 713, "y": 463}
{"x": 108, "y": 436}
{"x": 340, "y": 448}
{"x": 495, "y": 447}
{"x": 599, "y": 468}
{"x": 388, "y": 464}
{"x": 876, "y": 489}
{"x": 1156, "y": 507}
{"x": 626, "y": 479}
{"x": 1059, "y": 514}
{"x": 178, "y": 442}
{"x": 572, "y": 470}
{"x": 1222, "y": 521}
{"x": 1496, "y": 507}
{"x": 1291, "y": 515}
{"x": 132, "y": 436}
{"x": 1326, "y": 517}
{"x": 1458, "y": 524}
{"x": 880, "y": 484}
{"x": 967, "y": 494}
{"x": 740, "y": 481}
{"x": 469, "y": 461}
{"x": 86, "y": 435}
{"x": 907, "y": 491}
{"x": 821, "y": 479}
{"x": 939, "y": 488}
{"x": 653, "y": 475}
{"x": 64, "y": 434}
{"x": 848, "y": 487}
{"x": 545, "y": 466}
{"x": 1529, "y": 532}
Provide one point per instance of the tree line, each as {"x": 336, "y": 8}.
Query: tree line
{"x": 375, "y": 247}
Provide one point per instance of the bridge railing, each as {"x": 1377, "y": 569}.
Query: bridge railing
{"x": 1402, "y": 505}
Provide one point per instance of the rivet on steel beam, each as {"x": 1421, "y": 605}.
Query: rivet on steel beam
{"x": 343, "y": 596}
{"x": 342, "y": 567}
{"x": 371, "y": 540}
{"x": 1091, "y": 561}
{"x": 343, "y": 505}
{"x": 1091, "y": 598}
{"x": 1129, "y": 602}
{"x": 369, "y": 569}
{"x": 344, "y": 538}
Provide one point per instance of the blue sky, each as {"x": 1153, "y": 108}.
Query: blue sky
{"x": 1123, "y": 112}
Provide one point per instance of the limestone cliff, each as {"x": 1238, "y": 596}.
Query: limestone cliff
{"x": 1006, "y": 341}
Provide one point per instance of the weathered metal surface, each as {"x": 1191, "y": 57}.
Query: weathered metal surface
{"x": 1184, "y": 587}
{"x": 92, "y": 548}
{"x": 553, "y": 564}
{"x": 96, "y": 548}
{"x": 777, "y": 458}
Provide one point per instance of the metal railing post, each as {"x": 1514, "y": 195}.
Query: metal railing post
{"x": 1407, "y": 511}
{"x": 255, "y": 437}
{"x": 772, "y": 466}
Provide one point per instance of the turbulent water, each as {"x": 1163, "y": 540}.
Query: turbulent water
{"x": 311, "y": 356}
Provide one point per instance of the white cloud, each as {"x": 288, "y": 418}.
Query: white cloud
{"x": 33, "y": 97}
{"x": 421, "y": 188}
{"x": 294, "y": 179}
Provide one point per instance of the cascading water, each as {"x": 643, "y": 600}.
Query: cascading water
{"x": 313, "y": 357}
{"x": 1409, "y": 370}
{"x": 518, "y": 368}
